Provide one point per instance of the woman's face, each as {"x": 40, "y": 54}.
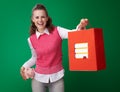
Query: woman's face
{"x": 40, "y": 19}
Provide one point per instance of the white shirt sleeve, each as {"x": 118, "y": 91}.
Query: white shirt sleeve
{"x": 63, "y": 32}
{"x": 33, "y": 58}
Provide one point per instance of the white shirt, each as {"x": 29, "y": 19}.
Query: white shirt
{"x": 46, "y": 78}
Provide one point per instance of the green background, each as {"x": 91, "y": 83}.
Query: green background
{"x": 14, "y": 50}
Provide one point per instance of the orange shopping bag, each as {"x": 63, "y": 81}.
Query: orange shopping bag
{"x": 86, "y": 50}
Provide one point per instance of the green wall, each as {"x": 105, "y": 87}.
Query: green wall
{"x": 14, "y": 49}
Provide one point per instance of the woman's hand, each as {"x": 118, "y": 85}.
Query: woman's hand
{"x": 22, "y": 72}
{"x": 27, "y": 73}
{"x": 30, "y": 73}
{"x": 82, "y": 25}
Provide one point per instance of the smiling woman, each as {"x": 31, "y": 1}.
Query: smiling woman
{"x": 45, "y": 42}
{"x": 40, "y": 19}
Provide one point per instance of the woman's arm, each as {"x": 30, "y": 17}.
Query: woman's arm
{"x": 26, "y": 66}
{"x": 63, "y": 32}
{"x": 33, "y": 58}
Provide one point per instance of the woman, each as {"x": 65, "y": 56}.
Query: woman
{"x": 45, "y": 42}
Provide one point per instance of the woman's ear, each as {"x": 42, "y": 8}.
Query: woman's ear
{"x": 32, "y": 19}
{"x": 47, "y": 18}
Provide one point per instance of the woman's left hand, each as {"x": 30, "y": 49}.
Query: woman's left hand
{"x": 82, "y": 25}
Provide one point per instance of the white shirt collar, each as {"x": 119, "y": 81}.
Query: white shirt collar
{"x": 38, "y": 33}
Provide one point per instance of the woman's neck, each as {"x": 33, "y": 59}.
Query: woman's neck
{"x": 41, "y": 30}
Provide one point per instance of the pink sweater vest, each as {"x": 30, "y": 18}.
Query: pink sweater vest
{"x": 49, "y": 52}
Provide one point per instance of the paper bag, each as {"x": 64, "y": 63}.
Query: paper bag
{"x": 86, "y": 50}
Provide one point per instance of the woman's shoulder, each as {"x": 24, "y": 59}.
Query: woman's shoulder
{"x": 31, "y": 36}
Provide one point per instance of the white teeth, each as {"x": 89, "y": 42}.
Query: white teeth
{"x": 40, "y": 23}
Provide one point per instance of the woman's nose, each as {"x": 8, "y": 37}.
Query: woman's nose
{"x": 40, "y": 19}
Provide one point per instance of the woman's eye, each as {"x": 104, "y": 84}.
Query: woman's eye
{"x": 37, "y": 17}
{"x": 43, "y": 17}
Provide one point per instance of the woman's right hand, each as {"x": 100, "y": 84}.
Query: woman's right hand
{"x": 22, "y": 72}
